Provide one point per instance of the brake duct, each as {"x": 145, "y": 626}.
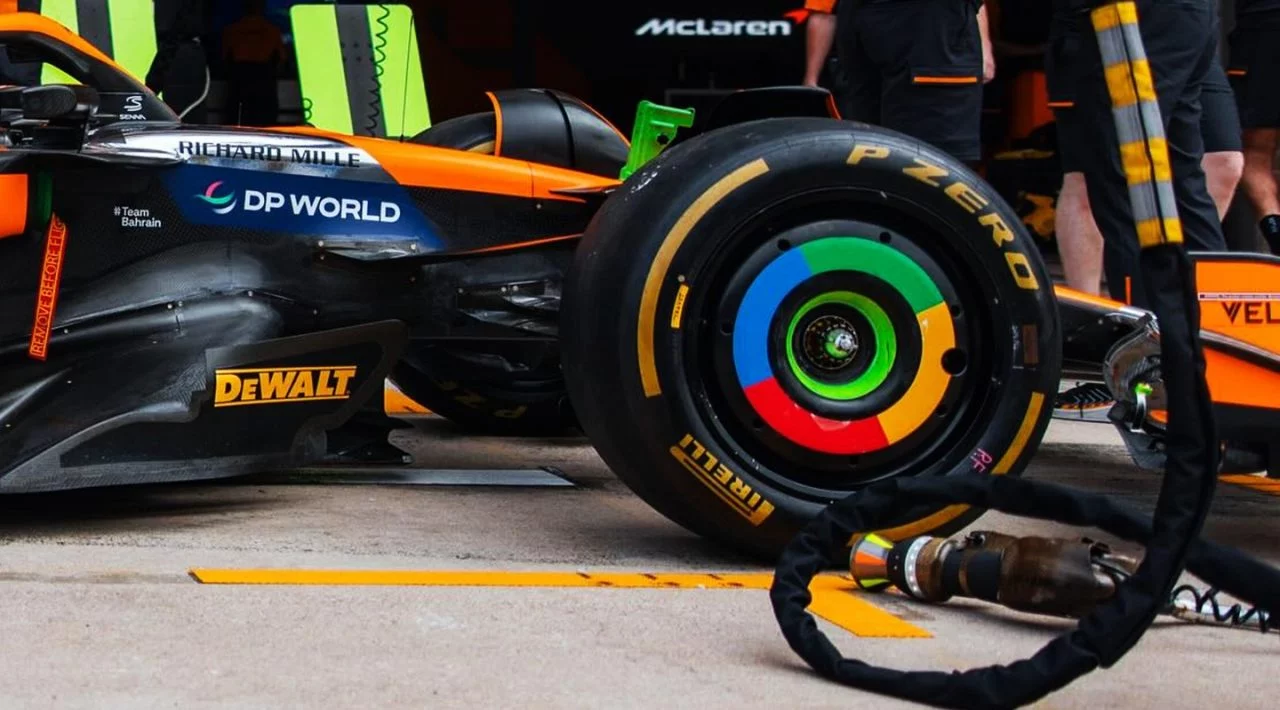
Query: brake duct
{"x": 1108, "y": 630}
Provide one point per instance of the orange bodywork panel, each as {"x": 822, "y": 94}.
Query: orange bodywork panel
{"x": 8, "y": 6}
{"x": 1233, "y": 302}
{"x": 1235, "y": 381}
{"x": 415, "y": 165}
{"x": 1241, "y": 299}
{"x": 13, "y": 197}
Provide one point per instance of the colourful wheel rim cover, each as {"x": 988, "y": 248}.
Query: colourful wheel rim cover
{"x": 786, "y": 416}
{"x": 881, "y": 363}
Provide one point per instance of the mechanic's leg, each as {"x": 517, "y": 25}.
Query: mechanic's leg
{"x": 1254, "y": 67}
{"x": 1079, "y": 241}
{"x": 1220, "y": 127}
{"x": 1222, "y": 172}
{"x": 863, "y": 84}
{"x": 931, "y": 59}
{"x": 1260, "y": 181}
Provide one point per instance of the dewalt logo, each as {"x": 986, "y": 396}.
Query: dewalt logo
{"x": 272, "y": 385}
{"x": 723, "y": 482}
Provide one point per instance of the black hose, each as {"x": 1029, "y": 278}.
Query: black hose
{"x": 1103, "y": 637}
{"x": 1099, "y": 640}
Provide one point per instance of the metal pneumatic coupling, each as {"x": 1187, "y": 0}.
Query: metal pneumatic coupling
{"x": 1039, "y": 575}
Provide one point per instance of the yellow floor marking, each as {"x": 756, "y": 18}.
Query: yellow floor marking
{"x": 1270, "y": 486}
{"x": 835, "y": 599}
{"x": 833, "y": 596}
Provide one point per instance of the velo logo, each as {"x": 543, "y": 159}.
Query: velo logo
{"x": 220, "y": 204}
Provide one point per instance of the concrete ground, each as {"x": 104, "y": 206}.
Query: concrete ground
{"x": 98, "y": 609}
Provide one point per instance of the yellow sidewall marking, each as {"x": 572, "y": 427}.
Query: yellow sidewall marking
{"x": 662, "y": 263}
{"x": 834, "y": 597}
{"x": 677, "y": 311}
{"x": 1023, "y": 436}
{"x": 930, "y": 383}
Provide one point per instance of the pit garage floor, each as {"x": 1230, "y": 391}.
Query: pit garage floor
{"x": 98, "y": 609}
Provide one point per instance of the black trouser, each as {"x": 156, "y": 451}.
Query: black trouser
{"x": 179, "y": 73}
{"x": 251, "y": 94}
{"x": 915, "y": 66}
{"x": 1130, "y": 207}
{"x": 1254, "y": 66}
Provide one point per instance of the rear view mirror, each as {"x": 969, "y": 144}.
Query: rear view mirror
{"x": 58, "y": 101}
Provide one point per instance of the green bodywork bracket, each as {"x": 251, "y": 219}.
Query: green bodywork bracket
{"x": 655, "y": 127}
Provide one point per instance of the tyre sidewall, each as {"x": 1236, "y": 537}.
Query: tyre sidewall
{"x": 699, "y": 481}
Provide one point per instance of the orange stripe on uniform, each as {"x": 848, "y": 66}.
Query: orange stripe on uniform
{"x": 945, "y": 79}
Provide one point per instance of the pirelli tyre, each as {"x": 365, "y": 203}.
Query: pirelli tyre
{"x": 773, "y": 315}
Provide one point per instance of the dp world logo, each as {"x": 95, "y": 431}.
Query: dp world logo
{"x": 220, "y": 205}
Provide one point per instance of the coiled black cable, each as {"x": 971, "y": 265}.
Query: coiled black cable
{"x": 1235, "y": 615}
{"x": 379, "y": 56}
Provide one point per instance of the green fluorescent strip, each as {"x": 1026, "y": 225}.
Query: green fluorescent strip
{"x": 320, "y": 74}
{"x": 404, "y": 94}
{"x": 133, "y": 34}
{"x": 64, "y": 13}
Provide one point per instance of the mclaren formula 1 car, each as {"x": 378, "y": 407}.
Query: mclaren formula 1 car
{"x": 774, "y": 309}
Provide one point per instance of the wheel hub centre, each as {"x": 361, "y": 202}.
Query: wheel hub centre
{"x": 830, "y": 342}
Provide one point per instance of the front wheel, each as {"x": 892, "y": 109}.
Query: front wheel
{"x": 777, "y": 314}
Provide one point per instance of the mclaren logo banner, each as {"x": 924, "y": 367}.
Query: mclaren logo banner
{"x": 702, "y": 27}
